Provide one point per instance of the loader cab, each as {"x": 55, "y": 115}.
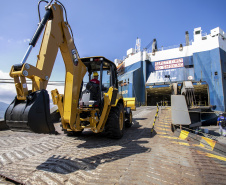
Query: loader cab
{"x": 105, "y": 68}
{"x": 92, "y": 93}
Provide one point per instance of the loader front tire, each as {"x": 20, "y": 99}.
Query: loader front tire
{"x": 115, "y": 124}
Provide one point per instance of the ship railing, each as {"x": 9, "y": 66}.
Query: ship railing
{"x": 204, "y": 34}
{"x": 168, "y": 47}
{"x": 197, "y": 104}
{"x": 171, "y": 47}
{"x": 201, "y": 103}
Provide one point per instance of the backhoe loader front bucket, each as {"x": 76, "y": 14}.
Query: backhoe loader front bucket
{"x": 32, "y": 114}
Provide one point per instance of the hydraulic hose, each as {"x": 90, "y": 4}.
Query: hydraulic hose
{"x": 40, "y": 28}
{"x": 39, "y": 10}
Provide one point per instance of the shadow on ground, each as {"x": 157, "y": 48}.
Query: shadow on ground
{"x": 132, "y": 143}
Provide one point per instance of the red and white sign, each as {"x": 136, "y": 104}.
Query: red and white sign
{"x": 169, "y": 64}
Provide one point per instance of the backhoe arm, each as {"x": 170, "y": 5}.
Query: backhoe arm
{"x": 56, "y": 35}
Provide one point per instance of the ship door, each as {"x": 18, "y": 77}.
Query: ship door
{"x": 160, "y": 95}
{"x": 201, "y": 94}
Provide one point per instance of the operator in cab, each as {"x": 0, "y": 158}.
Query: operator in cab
{"x": 95, "y": 78}
{"x": 96, "y": 81}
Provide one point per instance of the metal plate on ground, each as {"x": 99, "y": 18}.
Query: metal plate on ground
{"x": 179, "y": 110}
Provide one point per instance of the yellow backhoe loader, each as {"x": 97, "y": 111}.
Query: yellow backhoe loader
{"x": 98, "y": 107}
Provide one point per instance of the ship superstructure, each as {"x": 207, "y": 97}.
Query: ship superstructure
{"x": 148, "y": 74}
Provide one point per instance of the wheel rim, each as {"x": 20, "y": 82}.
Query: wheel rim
{"x": 121, "y": 120}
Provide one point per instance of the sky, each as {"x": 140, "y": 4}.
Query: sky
{"x": 104, "y": 28}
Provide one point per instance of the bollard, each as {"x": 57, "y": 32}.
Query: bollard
{"x": 156, "y": 115}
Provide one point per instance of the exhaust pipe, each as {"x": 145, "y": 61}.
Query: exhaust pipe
{"x": 187, "y": 38}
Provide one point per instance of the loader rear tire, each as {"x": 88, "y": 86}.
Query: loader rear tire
{"x": 115, "y": 125}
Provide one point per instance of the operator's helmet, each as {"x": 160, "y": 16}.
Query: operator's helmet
{"x": 95, "y": 74}
{"x": 221, "y": 114}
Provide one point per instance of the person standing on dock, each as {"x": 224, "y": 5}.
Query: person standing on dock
{"x": 222, "y": 124}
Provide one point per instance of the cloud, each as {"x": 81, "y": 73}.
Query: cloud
{"x": 27, "y": 40}
{"x": 4, "y": 75}
{"x": 8, "y": 90}
{"x": 10, "y": 40}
